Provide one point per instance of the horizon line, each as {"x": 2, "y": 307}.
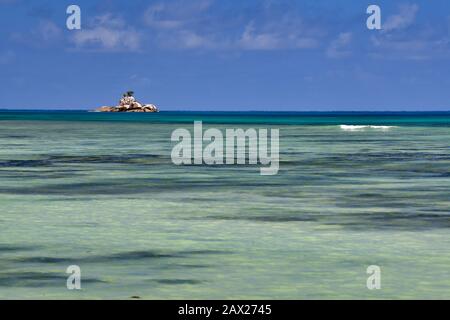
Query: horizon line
{"x": 235, "y": 111}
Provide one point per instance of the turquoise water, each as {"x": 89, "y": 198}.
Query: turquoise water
{"x": 100, "y": 191}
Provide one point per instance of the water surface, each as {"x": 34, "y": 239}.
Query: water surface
{"x": 100, "y": 191}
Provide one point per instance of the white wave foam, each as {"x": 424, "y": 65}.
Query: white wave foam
{"x": 362, "y": 128}
{"x": 352, "y": 128}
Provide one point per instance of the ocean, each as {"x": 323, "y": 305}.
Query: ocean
{"x": 100, "y": 191}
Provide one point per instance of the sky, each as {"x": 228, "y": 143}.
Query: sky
{"x": 267, "y": 55}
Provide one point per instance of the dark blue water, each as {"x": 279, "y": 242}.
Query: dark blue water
{"x": 282, "y": 118}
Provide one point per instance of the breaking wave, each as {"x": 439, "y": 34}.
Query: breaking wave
{"x": 362, "y": 128}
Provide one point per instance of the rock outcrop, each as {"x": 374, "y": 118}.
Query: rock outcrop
{"x": 129, "y": 104}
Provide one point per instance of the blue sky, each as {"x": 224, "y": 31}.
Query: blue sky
{"x": 278, "y": 55}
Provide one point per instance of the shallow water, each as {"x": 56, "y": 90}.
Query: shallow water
{"x": 100, "y": 191}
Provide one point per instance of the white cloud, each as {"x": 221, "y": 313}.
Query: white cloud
{"x": 107, "y": 39}
{"x": 419, "y": 48}
{"x": 174, "y": 14}
{"x": 425, "y": 42}
{"x": 258, "y": 41}
{"x": 274, "y": 39}
{"x": 176, "y": 25}
{"x": 45, "y": 33}
{"x": 183, "y": 24}
{"x": 403, "y": 19}
{"x": 48, "y": 30}
{"x": 339, "y": 46}
{"x": 155, "y": 17}
{"x": 188, "y": 39}
{"x": 109, "y": 33}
